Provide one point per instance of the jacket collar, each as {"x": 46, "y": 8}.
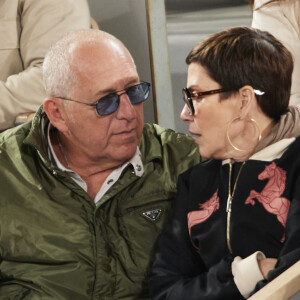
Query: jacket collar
{"x": 37, "y": 135}
{"x": 150, "y": 147}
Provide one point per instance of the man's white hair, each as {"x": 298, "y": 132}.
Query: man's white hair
{"x": 59, "y": 78}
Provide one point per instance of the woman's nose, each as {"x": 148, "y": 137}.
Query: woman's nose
{"x": 186, "y": 115}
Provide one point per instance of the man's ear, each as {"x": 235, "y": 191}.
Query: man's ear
{"x": 247, "y": 100}
{"x": 54, "y": 111}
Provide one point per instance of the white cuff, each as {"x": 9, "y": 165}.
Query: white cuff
{"x": 246, "y": 272}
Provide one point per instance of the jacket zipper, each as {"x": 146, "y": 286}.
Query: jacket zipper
{"x": 228, "y": 209}
{"x": 229, "y": 202}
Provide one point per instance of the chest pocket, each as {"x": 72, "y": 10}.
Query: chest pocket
{"x": 142, "y": 224}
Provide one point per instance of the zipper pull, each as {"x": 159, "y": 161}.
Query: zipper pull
{"x": 229, "y": 201}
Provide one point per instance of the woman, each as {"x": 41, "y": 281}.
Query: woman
{"x": 235, "y": 224}
{"x": 282, "y": 19}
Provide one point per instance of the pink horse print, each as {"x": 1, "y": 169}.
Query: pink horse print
{"x": 270, "y": 196}
{"x": 207, "y": 208}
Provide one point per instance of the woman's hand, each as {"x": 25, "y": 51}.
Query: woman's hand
{"x": 266, "y": 265}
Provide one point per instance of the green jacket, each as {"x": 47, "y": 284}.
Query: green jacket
{"x": 55, "y": 243}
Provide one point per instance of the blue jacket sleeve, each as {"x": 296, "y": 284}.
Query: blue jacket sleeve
{"x": 178, "y": 271}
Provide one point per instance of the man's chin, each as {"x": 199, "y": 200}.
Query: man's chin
{"x": 126, "y": 152}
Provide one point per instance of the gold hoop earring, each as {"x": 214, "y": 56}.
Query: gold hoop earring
{"x": 229, "y": 140}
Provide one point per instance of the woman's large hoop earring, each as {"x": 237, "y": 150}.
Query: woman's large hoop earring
{"x": 229, "y": 140}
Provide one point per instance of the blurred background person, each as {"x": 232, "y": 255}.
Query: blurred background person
{"x": 27, "y": 29}
{"x": 282, "y": 19}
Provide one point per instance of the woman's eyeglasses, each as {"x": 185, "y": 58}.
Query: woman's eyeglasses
{"x": 188, "y": 98}
{"x": 109, "y": 104}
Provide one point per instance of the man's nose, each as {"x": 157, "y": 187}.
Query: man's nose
{"x": 126, "y": 109}
{"x": 185, "y": 115}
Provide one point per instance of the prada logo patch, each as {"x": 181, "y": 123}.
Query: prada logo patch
{"x": 152, "y": 215}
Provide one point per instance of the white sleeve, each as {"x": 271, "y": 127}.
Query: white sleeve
{"x": 246, "y": 272}
{"x": 43, "y": 22}
{"x": 282, "y": 19}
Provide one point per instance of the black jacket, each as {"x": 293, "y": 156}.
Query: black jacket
{"x": 193, "y": 260}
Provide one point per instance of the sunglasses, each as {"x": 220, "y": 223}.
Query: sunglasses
{"x": 109, "y": 104}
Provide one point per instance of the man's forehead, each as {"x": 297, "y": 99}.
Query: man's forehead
{"x": 104, "y": 58}
{"x": 107, "y": 67}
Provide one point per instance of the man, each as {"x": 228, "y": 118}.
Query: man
{"x": 27, "y": 29}
{"x": 86, "y": 187}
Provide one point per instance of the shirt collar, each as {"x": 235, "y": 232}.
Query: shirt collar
{"x": 51, "y": 152}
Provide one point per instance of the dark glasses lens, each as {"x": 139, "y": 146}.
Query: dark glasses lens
{"x": 110, "y": 103}
{"x": 107, "y": 105}
{"x": 188, "y": 100}
{"x": 138, "y": 93}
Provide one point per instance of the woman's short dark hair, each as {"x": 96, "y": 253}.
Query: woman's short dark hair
{"x": 242, "y": 56}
